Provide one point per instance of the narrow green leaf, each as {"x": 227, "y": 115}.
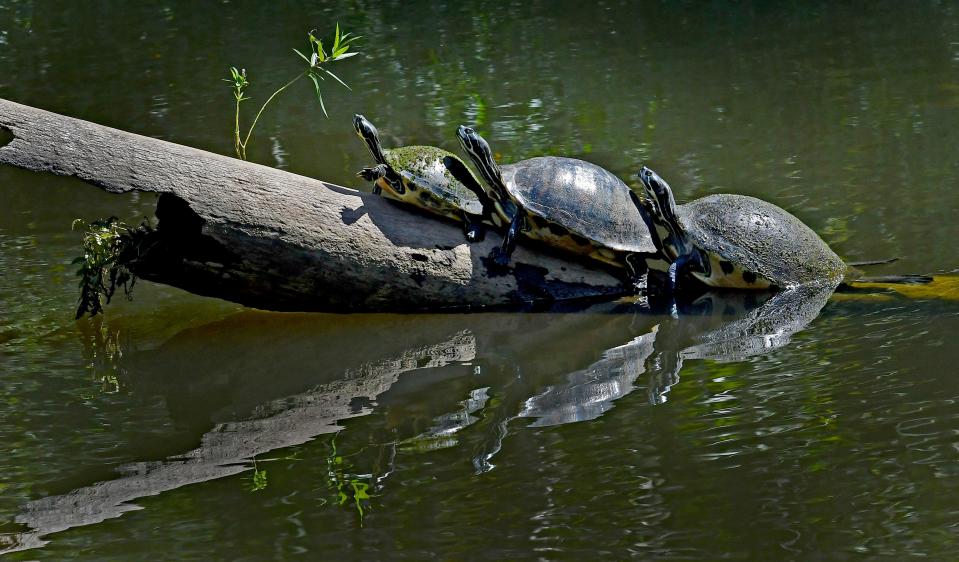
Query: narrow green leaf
{"x": 336, "y": 37}
{"x": 346, "y": 56}
{"x": 302, "y": 56}
{"x": 320, "y": 52}
{"x": 319, "y": 96}
{"x": 337, "y": 78}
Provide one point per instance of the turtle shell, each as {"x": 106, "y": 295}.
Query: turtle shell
{"x": 582, "y": 198}
{"x": 760, "y": 238}
{"x": 429, "y": 181}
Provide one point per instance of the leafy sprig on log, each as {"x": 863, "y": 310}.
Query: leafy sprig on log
{"x": 110, "y": 248}
{"x": 317, "y": 66}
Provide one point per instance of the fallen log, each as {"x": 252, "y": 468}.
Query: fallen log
{"x": 274, "y": 240}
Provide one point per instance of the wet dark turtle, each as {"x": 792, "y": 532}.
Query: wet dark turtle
{"x": 427, "y": 177}
{"x": 566, "y": 203}
{"x": 737, "y": 241}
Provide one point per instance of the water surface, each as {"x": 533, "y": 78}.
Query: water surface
{"x": 744, "y": 428}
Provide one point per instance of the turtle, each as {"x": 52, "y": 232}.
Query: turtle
{"x": 567, "y": 203}
{"x": 427, "y": 177}
{"x": 737, "y": 241}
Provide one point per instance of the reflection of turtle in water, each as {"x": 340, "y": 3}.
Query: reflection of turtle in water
{"x": 737, "y": 241}
{"x": 566, "y": 203}
{"x": 589, "y": 393}
{"x": 442, "y": 433}
{"x": 427, "y": 177}
{"x": 750, "y": 324}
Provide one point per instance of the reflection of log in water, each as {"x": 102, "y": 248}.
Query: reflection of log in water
{"x": 542, "y": 345}
{"x": 225, "y": 450}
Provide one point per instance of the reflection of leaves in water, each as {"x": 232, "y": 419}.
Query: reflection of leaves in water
{"x": 102, "y": 353}
{"x": 836, "y": 230}
{"x": 258, "y": 478}
{"x": 454, "y": 96}
{"x": 346, "y": 484}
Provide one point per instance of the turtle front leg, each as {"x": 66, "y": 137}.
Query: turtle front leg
{"x": 501, "y": 255}
{"x": 677, "y": 268}
{"x": 636, "y": 271}
{"x": 691, "y": 261}
{"x": 373, "y": 174}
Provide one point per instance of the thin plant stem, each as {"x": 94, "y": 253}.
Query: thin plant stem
{"x": 257, "y": 118}
{"x": 240, "y": 150}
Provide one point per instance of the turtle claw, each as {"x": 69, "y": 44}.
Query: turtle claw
{"x": 372, "y": 174}
{"x": 636, "y": 283}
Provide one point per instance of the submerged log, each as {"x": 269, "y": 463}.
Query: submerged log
{"x": 271, "y": 239}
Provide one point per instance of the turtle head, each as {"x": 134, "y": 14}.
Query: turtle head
{"x": 480, "y": 153}
{"x": 366, "y": 131}
{"x": 659, "y": 192}
{"x": 663, "y": 207}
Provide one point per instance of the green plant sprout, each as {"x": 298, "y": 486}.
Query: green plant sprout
{"x": 317, "y": 66}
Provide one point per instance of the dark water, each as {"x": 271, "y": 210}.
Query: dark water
{"x": 793, "y": 428}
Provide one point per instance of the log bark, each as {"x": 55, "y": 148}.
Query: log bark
{"x": 271, "y": 239}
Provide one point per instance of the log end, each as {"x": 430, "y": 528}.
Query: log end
{"x": 6, "y": 136}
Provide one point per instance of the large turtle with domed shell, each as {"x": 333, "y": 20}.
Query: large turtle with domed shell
{"x": 427, "y": 177}
{"x": 569, "y": 204}
{"x": 737, "y": 241}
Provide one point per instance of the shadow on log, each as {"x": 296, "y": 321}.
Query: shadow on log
{"x": 270, "y": 239}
